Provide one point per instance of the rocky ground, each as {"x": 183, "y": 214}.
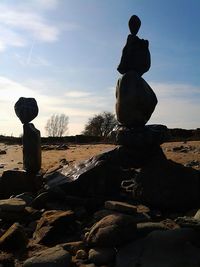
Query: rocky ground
{"x": 43, "y": 228}
{"x": 186, "y": 153}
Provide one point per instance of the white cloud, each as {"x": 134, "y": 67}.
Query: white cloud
{"x": 22, "y": 23}
{"x": 32, "y": 60}
{"x": 11, "y": 91}
{"x": 180, "y": 111}
{"x": 178, "y": 105}
{"x": 9, "y": 37}
{"x": 77, "y": 94}
{"x": 17, "y": 21}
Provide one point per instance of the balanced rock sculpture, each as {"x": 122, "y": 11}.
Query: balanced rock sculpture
{"x": 26, "y": 110}
{"x": 138, "y": 164}
{"x": 135, "y": 99}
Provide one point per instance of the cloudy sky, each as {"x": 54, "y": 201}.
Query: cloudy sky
{"x": 65, "y": 54}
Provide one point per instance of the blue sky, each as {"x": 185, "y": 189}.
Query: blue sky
{"x": 65, "y": 54}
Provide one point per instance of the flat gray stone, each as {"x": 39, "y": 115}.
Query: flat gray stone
{"x": 51, "y": 257}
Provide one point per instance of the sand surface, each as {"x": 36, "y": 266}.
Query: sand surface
{"x": 186, "y": 152}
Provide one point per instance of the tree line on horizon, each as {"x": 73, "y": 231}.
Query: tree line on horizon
{"x": 98, "y": 125}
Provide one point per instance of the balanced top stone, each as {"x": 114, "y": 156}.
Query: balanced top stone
{"x": 26, "y": 109}
{"x": 135, "y": 55}
{"x": 134, "y": 24}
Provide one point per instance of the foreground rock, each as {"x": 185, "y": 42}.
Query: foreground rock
{"x": 112, "y": 230}
{"x": 14, "y": 238}
{"x": 101, "y": 256}
{"x": 98, "y": 177}
{"x": 170, "y": 248}
{"x": 164, "y": 184}
{"x": 15, "y": 182}
{"x": 53, "y": 226}
{"x": 12, "y": 204}
{"x": 52, "y": 257}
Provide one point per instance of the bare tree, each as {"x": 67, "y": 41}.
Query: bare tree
{"x": 57, "y": 125}
{"x": 100, "y": 125}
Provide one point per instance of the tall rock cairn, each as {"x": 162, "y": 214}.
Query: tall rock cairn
{"x": 26, "y": 110}
{"x": 136, "y": 101}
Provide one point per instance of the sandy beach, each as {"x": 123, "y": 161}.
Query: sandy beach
{"x": 180, "y": 152}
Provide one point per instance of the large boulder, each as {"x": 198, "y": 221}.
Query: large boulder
{"x": 135, "y": 101}
{"x": 165, "y": 184}
{"x": 113, "y": 230}
{"x": 96, "y": 178}
{"x": 54, "y": 226}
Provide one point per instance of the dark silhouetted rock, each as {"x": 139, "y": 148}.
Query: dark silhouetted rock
{"x": 51, "y": 257}
{"x": 102, "y": 256}
{"x": 165, "y": 184}
{"x": 112, "y": 230}
{"x": 97, "y": 177}
{"x": 12, "y": 204}
{"x": 142, "y": 137}
{"x": 53, "y": 226}
{"x": 26, "y": 109}
{"x": 25, "y": 215}
{"x": 135, "y": 100}
{"x": 135, "y": 54}
{"x": 134, "y": 24}
{"x": 16, "y": 182}
{"x": 136, "y": 158}
{"x": 31, "y": 148}
{"x": 14, "y": 238}
{"x": 160, "y": 249}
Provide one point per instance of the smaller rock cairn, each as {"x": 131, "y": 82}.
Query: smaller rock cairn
{"x": 136, "y": 101}
{"x": 26, "y": 110}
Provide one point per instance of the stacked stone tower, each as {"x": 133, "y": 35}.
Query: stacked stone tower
{"x": 136, "y": 101}
{"x": 26, "y": 110}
